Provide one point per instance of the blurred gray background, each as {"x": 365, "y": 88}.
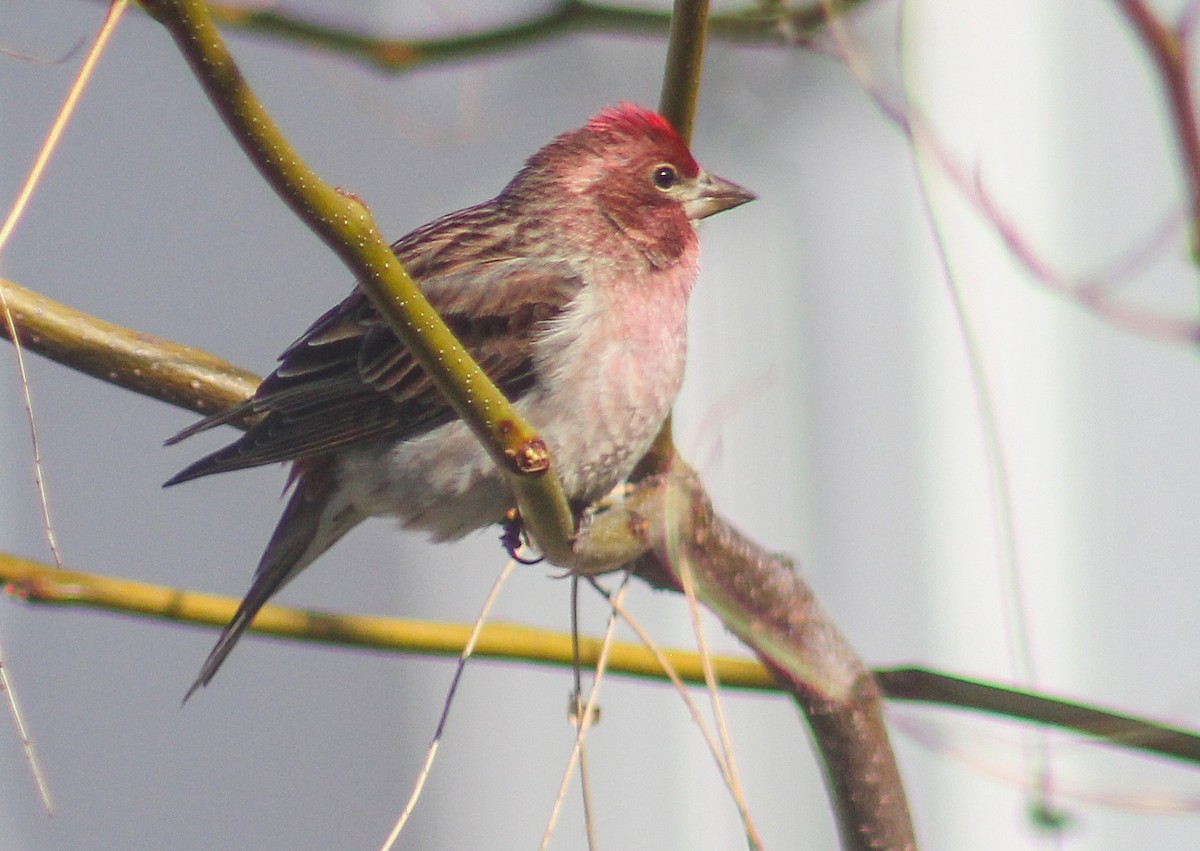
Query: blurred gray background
{"x": 828, "y": 403}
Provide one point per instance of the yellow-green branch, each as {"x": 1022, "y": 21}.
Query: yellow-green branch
{"x": 42, "y": 583}
{"x": 38, "y": 583}
{"x": 345, "y": 224}
{"x": 179, "y": 375}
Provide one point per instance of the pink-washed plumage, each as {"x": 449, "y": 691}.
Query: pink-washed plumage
{"x": 569, "y": 288}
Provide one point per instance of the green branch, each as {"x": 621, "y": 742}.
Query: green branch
{"x": 179, "y": 375}
{"x": 768, "y": 24}
{"x": 45, "y": 584}
{"x": 343, "y": 222}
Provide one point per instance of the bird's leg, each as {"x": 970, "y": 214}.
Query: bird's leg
{"x": 514, "y": 538}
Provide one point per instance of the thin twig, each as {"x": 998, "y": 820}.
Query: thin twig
{"x": 1013, "y": 585}
{"x": 714, "y": 747}
{"x": 431, "y": 754}
{"x": 107, "y": 27}
{"x": 1168, "y": 49}
{"x": 38, "y": 168}
{"x": 576, "y": 713}
{"x": 1014, "y": 602}
{"x": 678, "y": 556}
{"x": 31, "y": 757}
{"x": 584, "y": 721}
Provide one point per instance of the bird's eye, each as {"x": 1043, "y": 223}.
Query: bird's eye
{"x": 665, "y": 176}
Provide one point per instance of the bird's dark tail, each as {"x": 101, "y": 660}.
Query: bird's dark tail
{"x": 313, "y": 521}
{"x": 235, "y": 456}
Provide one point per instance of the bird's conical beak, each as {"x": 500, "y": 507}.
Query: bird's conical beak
{"x": 714, "y": 194}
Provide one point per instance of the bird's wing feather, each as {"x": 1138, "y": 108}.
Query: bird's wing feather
{"x": 349, "y": 380}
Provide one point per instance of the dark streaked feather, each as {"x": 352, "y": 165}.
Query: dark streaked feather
{"x": 348, "y": 380}
{"x": 303, "y": 534}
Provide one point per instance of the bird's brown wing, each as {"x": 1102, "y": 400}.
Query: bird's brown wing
{"x": 348, "y": 380}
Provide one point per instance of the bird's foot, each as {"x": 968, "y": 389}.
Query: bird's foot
{"x": 514, "y": 538}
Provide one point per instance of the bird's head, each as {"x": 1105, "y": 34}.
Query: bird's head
{"x": 629, "y": 165}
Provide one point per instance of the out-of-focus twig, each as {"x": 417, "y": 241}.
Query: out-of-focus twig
{"x": 1090, "y": 292}
{"x": 1168, "y": 48}
{"x": 764, "y": 24}
{"x": 926, "y": 686}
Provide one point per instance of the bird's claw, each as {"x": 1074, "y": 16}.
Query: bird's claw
{"x": 513, "y": 538}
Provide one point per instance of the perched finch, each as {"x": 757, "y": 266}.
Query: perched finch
{"x": 569, "y": 288}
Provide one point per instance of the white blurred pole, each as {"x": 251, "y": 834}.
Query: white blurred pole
{"x": 983, "y": 74}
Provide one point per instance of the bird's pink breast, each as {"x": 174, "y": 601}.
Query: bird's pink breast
{"x": 608, "y": 368}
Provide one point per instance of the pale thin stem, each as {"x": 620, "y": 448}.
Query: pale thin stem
{"x": 710, "y": 681}
{"x": 39, "y": 478}
{"x": 1013, "y": 586}
{"x": 995, "y": 454}
{"x": 585, "y": 786}
{"x": 6, "y": 229}
{"x": 1015, "y": 606}
{"x": 583, "y": 722}
{"x": 589, "y": 824}
{"x": 714, "y": 747}
{"x": 431, "y": 754}
{"x": 115, "y": 10}
{"x": 31, "y": 758}
{"x": 17, "y": 210}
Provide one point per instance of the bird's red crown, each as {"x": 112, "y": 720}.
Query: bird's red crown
{"x": 633, "y": 120}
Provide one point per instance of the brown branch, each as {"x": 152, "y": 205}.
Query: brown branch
{"x": 860, "y": 768}
{"x": 761, "y": 598}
